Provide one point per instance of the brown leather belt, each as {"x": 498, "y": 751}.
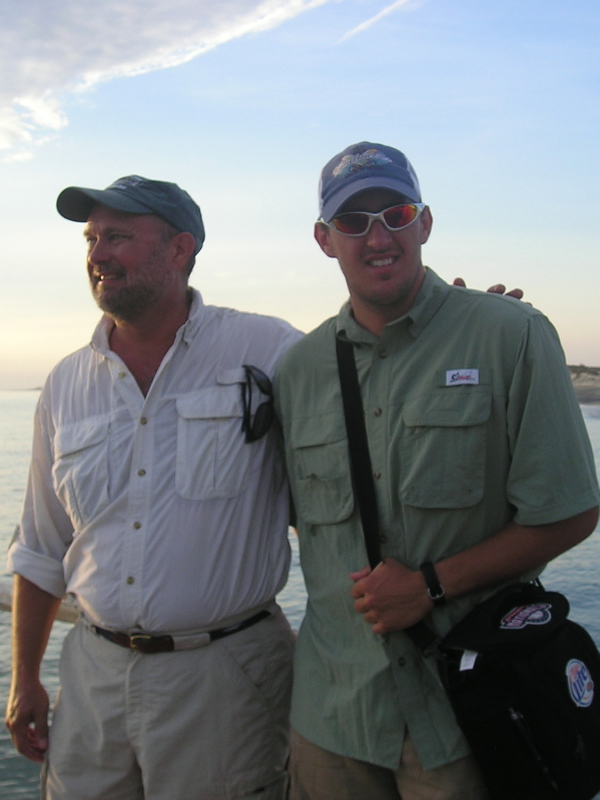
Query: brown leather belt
{"x": 145, "y": 643}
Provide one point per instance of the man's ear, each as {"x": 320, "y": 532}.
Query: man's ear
{"x": 184, "y": 245}
{"x": 426, "y": 221}
{"x": 322, "y": 234}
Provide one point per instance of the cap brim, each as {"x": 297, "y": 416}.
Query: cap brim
{"x": 333, "y": 205}
{"x": 75, "y": 203}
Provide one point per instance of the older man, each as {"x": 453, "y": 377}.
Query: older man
{"x": 482, "y": 472}
{"x": 157, "y": 498}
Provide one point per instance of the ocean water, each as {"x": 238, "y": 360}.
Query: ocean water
{"x": 575, "y": 573}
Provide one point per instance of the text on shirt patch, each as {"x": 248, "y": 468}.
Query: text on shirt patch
{"x": 456, "y": 377}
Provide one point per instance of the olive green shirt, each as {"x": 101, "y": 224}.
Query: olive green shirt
{"x": 472, "y": 421}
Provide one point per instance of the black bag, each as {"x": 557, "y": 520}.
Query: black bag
{"x": 523, "y": 681}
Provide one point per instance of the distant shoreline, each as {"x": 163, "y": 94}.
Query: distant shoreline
{"x": 586, "y": 382}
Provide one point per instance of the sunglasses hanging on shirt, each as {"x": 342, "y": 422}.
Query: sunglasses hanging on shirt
{"x": 256, "y": 425}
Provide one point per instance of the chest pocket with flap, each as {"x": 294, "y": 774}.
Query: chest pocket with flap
{"x": 443, "y": 447}
{"x": 213, "y": 458}
{"x": 320, "y": 462}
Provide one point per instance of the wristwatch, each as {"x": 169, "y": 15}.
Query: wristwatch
{"x": 435, "y": 590}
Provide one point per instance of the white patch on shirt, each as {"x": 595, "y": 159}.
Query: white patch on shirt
{"x": 457, "y": 377}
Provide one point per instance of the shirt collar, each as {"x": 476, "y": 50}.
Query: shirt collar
{"x": 431, "y": 296}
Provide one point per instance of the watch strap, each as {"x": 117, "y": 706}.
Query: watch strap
{"x": 435, "y": 590}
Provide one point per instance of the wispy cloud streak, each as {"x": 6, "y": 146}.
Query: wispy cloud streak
{"x": 51, "y": 48}
{"x": 364, "y": 25}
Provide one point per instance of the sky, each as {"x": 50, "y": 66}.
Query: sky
{"x": 496, "y": 104}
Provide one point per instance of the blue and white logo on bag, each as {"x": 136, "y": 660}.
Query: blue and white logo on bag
{"x": 533, "y": 614}
{"x": 581, "y": 685}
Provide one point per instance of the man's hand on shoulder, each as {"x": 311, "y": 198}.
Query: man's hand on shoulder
{"x": 497, "y": 288}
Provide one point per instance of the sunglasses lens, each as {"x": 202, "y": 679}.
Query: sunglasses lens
{"x": 262, "y": 420}
{"x": 261, "y": 380}
{"x": 352, "y": 224}
{"x": 255, "y": 426}
{"x": 400, "y": 216}
{"x": 356, "y": 223}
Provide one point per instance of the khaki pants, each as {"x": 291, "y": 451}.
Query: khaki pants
{"x": 317, "y": 774}
{"x": 204, "y": 724}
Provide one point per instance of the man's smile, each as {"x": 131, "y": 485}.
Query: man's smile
{"x": 381, "y": 262}
{"x": 107, "y": 275}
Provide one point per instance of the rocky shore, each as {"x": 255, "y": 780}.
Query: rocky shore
{"x": 586, "y": 381}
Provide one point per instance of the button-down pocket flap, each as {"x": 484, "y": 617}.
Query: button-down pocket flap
{"x": 76, "y": 436}
{"x": 312, "y": 431}
{"x": 449, "y": 408}
{"x": 323, "y": 486}
{"x": 80, "y": 469}
{"x": 227, "y": 377}
{"x": 212, "y": 403}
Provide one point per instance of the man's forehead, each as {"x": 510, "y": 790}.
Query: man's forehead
{"x": 373, "y": 200}
{"x": 103, "y": 215}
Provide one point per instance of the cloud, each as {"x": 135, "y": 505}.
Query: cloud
{"x": 364, "y": 25}
{"x": 51, "y": 48}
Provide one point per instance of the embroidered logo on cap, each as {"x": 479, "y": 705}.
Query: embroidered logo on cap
{"x": 456, "y": 377}
{"x": 581, "y": 685}
{"x": 126, "y": 183}
{"x": 367, "y": 160}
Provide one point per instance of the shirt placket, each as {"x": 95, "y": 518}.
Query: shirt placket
{"x": 376, "y": 408}
{"x": 138, "y": 515}
{"x": 379, "y": 404}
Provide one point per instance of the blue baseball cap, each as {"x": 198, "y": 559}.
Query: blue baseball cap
{"x": 137, "y": 195}
{"x": 365, "y": 165}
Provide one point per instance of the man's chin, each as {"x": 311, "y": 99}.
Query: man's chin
{"x": 124, "y": 306}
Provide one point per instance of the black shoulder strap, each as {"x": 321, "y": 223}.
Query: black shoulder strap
{"x": 362, "y": 473}
{"x": 360, "y": 458}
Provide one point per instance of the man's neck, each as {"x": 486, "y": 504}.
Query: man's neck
{"x": 142, "y": 344}
{"x": 375, "y": 315}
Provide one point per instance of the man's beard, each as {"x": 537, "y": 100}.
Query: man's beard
{"x": 128, "y": 304}
{"x": 132, "y": 301}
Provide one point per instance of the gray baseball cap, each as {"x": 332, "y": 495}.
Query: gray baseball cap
{"x": 137, "y": 195}
{"x": 365, "y": 165}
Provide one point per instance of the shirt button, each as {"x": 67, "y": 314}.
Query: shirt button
{"x": 141, "y": 472}
{"x": 378, "y": 412}
{"x": 382, "y": 354}
{"x": 137, "y": 525}
{"x": 383, "y": 538}
{"x": 143, "y": 421}
{"x": 130, "y": 580}
{"x": 122, "y": 374}
{"x": 377, "y": 475}
{"x": 401, "y": 661}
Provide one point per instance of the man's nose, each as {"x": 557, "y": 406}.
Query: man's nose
{"x": 97, "y": 252}
{"x": 378, "y": 236}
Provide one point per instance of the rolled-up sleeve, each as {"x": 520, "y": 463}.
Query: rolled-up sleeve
{"x": 45, "y": 532}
